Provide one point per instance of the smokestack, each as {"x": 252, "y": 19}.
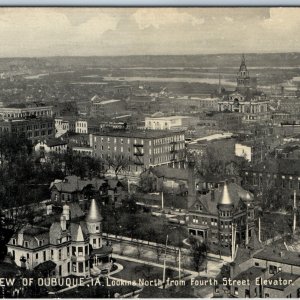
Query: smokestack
{"x": 212, "y": 191}
{"x": 191, "y": 183}
{"x": 66, "y": 212}
{"x": 233, "y": 241}
{"x": 294, "y": 213}
{"x": 49, "y": 209}
{"x": 63, "y": 223}
{"x": 259, "y": 230}
{"x": 247, "y": 234}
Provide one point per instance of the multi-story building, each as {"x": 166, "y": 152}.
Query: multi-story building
{"x": 141, "y": 148}
{"x": 253, "y": 104}
{"x": 53, "y": 145}
{"x": 64, "y": 245}
{"x": 280, "y": 173}
{"x": 214, "y": 216}
{"x": 107, "y": 107}
{"x": 262, "y": 273}
{"x": 160, "y": 122}
{"x": 23, "y": 112}
{"x": 35, "y": 129}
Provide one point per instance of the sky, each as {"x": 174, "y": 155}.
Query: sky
{"x": 36, "y": 32}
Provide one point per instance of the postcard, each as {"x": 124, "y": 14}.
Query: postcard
{"x": 149, "y": 152}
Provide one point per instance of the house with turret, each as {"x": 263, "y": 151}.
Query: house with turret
{"x": 65, "y": 242}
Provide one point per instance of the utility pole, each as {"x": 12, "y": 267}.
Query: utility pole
{"x": 164, "y": 270}
{"x": 179, "y": 265}
{"x": 294, "y": 213}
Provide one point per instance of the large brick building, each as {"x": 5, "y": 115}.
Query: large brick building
{"x": 35, "y": 129}
{"x": 23, "y": 112}
{"x": 141, "y": 148}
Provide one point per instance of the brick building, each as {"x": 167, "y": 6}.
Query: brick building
{"x": 213, "y": 216}
{"x": 35, "y": 129}
{"x": 141, "y": 148}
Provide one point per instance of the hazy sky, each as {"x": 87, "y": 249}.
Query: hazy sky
{"x": 128, "y": 31}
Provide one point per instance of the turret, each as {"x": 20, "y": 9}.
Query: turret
{"x": 93, "y": 221}
{"x": 225, "y": 208}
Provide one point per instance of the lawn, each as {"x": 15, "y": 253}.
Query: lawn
{"x": 136, "y": 271}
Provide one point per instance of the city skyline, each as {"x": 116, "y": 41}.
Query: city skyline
{"x": 42, "y": 32}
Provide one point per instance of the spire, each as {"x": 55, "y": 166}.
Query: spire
{"x": 94, "y": 214}
{"x": 243, "y": 59}
{"x": 225, "y": 197}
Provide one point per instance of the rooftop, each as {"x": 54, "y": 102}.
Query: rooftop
{"x": 251, "y": 274}
{"x": 286, "y": 278}
{"x": 279, "y": 166}
{"x": 170, "y": 173}
{"x": 139, "y": 133}
{"x": 283, "y": 256}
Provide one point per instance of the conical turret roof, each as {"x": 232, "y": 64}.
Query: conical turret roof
{"x": 94, "y": 214}
{"x": 225, "y": 198}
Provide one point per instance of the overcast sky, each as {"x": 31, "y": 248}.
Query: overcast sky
{"x": 129, "y": 31}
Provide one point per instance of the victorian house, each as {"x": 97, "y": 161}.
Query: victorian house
{"x": 61, "y": 244}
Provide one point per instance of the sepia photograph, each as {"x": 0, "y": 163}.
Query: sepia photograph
{"x": 149, "y": 152}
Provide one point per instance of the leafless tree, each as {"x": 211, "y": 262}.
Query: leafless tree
{"x": 117, "y": 162}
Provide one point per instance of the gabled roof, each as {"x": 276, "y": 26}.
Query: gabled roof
{"x": 170, "y": 173}
{"x": 254, "y": 243}
{"x": 55, "y": 142}
{"x": 281, "y": 256}
{"x": 73, "y": 184}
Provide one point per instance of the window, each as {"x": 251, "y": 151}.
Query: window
{"x": 74, "y": 267}
{"x": 80, "y": 267}
{"x": 80, "y": 251}
{"x": 236, "y": 291}
{"x": 26, "y": 244}
{"x": 256, "y": 264}
{"x": 59, "y": 254}
{"x": 272, "y": 269}
{"x": 44, "y": 255}
{"x": 14, "y": 241}
{"x": 37, "y": 256}
{"x": 267, "y": 295}
{"x": 73, "y": 250}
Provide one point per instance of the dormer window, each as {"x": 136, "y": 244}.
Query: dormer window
{"x": 40, "y": 243}
{"x": 198, "y": 207}
{"x": 14, "y": 242}
{"x": 26, "y": 244}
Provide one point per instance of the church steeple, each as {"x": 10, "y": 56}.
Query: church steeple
{"x": 243, "y": 78}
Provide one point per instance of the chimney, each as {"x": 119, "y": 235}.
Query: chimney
{"x": 66, "y": 212}
{"x": 63, "y": 223}
{"x": 191, "y": 183}
{"x": 49, "y": 209}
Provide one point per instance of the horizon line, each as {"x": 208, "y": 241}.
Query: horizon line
{"x": 140, "y": 55}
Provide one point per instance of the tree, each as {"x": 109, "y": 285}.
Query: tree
{"x": 118, "y": 163}
{"x": 147, "y": 184}
{"x": 198, "y": 253}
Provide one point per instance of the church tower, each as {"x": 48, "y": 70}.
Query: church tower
{"x": 94, "y": 225}
{"x": 243, "y": 78}
{"x": 225, "y": 210}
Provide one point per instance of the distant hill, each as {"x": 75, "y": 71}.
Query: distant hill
{"x": 166, "y": 61}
